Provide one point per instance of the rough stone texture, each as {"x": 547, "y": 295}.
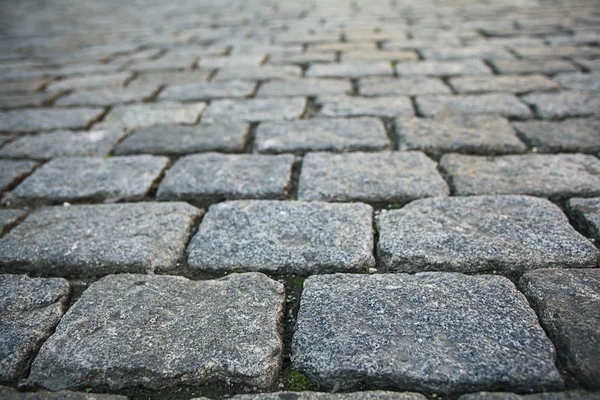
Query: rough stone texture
{"x": 573, "y": 135}
{"x": 499, "y": 234}
{"x": 387, "y": 177}
{"x": 335, "y": 134}
{"x": 443, "y": 68}
{"x": 25, "y": 100}
{"x": 7, "y": 393}
{"x": 170, "y": 78}
{"x": 162, "y": 331}
{"x": 44, "y": 119}
{"x": 5, "y": 139}
{"x": 89, "y": 179}
{"x": 570, "y": 395}
{"x": 258, "y": 73}
{"x": 586, "y": 213}
{"x": 568, "y": 305}
{"x": 107, "y": 97}
{"x": 226, "y": 136}
{"x": 30, "y": 308}
{"x": 255, "y": 109}
{"x": 11, "y": 171}
{"x": 63, "y": 144}
{"x": 533, "y": 66}
{"x": 143, "y": 115}
{"x": 557, "y": 176}
{"x": 474, "y": 134}
{"x": 93, "y": 240}
{"x": 350, "y": 69}
{"x": 413, "y": 86}
{"x": 284, "y": 237}
{"x": 203, "y": 179}
{"x": 207, "y": 91}
{"x": 460, "y": 53}
{"x": 304, "y": 87}
{"x": 564, "y": 104}
{"x": 503, "y": 104}
{"x": 89, "y": 81}
{"x": 502, "y": 83}
{"x": 581, "y": 82}
{"x": 353, "y": 106}
{"x": 8, "y": 218}
{"x": 388, "y": 55}
{"x": 372, "y": 395}
{"x": 430, "y": 332}
{"x": 232, "y": 61}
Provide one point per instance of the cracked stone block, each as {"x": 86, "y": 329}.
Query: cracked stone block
{"x": 580, "y": 82}
{"x": 89, "y": 81}
{"x": 144, "y": 115}
{"x": 202, "y": 179}
{"x": 418, "y": 85}
{"x": 382, "y": 177}
{"x": 586, "y": 213}
{"x": 11, "y": 171}
{"x": 572, "y": 135}
{"x": 170, "y": 78}
{"x": 475, "y": 134}
{"x": 30, "y": 309}
{"x": 556, "y": 176}
{"x": 95, "y": 179}
{"x": 233, "y": 60}
{"x": 225, "y": 136}
{"x": 569, "y": 395}
{"x": 368, "y": 395}
{"x": 8, "y": 218}
{"x": 45, "y": 119}
{"x": 429, "y": 332}
{"x": 158, "y": 332}
{"x": 304, "y": 87}
{"x": 323, "y": 134}
{"x": 261, "y": 73}
{"x": 379, "y": 55}
{"x": 568, "y": 305}
{"x": 93, "y": 240}
{"x": 250, "y": 110}
{"x": 353, "y": 106}
{"x": 107, "y": 97}
{"x": 460, "y": 53}
{"x": 63, "y": 144}
{"x": 207, "y": 90}
{"x": 443, "y": 68}
{"x": 8, "y": 393}
{"x": 350, "y": 69}
{"x": 563, "y": 104}
{"x": 503, "y": 104}
{"x": 547, "y": 67}
{"x": 283, "y": 237}
{"x": 500, "y": 234}
{"x": 502, "y": 83}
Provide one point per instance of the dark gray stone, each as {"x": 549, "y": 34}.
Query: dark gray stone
{"x": 568, "y": 305}
{"x": 533, "y": 66}
{"x": 93, "y": 240}
{"x": 572, "y": 135}
{"x": 207, "y": 90}
{"x": 429, "y": 332}
{"x": 578, "y": 81}
{"x": 8, "y": 218}
{"x": 45, "y": 119}
{"x": 413, "y": 86}
{"x": 353, "y": 106}
{"x": 304, "y": 87}
{"x": 500, "y": 234}
{"x": 443, "y": 68}
{"x": 564, "y": 104}
{"x": 503, "y": 104}
{"x": 30, "y": 308}
{"x": 11, "y": 171}
{"x": 571, "y": 395}
{"x": 284, "y": 237}
{"x": 586, "y": 212}
{"x": 7, "y": 393}
{"x": 251, "y": 110}
{"x": 502, "y": 83}
{"x": 163, "y": 331}
{"x": 372, "y": 395}
{"x": 144, "y": 115}
{"x": 108, "y": 97}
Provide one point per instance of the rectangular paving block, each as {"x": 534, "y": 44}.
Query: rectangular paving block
{"x": 263, "y": 72}
{"x": 298, "y": 58}
{"x": 586, "y": 214}
{"x": 26, "y": 100}
{"x": 350, "y": 69}
{"x": 355, "y": 106}
{"x": 474, "y": 134}
{"x": 492, "y": 234}
{"x": 503, "y": 104}
{"x": 564, "y": 104}
{"x": 460, "y": 53}
{"x": 8, "y": 393}
{"x": 158, "y": 332}
{"x": 502, "y": 83}
{"x": 578, "y": 81}
{"x": 580, "y": 135}
{"x": 283, "y": 237}
{"x": 207, "y": 90}
{"x": 322, "y": 134}
{"x": 251, "y": 110}
{"x": 170, "y": 78}
{"x": 107, "y": 97}
{"x": 443, "y": 68}
{"x": 95, "y": 179}
{"x": 30, "y": 309}
{"x": 429, "y": 332}
{"x": 533, "y": 66}
{"x": 12, "y": 171}
{"x": 143, "y": 115}
{"x": 45, "y": 119}
{"x": 557, "y": 176}
{"x": 304, "y": 87}
{"x": 568, "y": 305}
{"x": 379, "y": 55}
{"x": 413, "y": 86}
{"x": 116, "y": 79}
{"x": 202, "y": 179}
{"x": 382, "y": 177}
{"x": 233, "y": 60}
{"x": 94, "y": 240}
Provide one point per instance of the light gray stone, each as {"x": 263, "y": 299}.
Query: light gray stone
{"x": 500, "y": 234}
{"x": 144, "y": 115}
{"x": 354, "y": 106}
{"x": 89, "y": 81}
{"x": 564, "y": 104}
{"x": 503, "y": 104}
{"x": 578, "y": 81}
{"x": 561, "y": 51}
{"x": 371, "y": 395}
{"x": 162, "y": 331}
{"x": 251, "y": 110}
{"x": 258, "y": 73}
{"x": 350, "y": 69}
{"x": 557, "y": 176}
{"x": 443, "y": 68}
{"x": 30, "y": 85}
{"x": 207, "y": 90}
{"x": 586, "y": 213}
{"x": 570, "y": 395}
{"x": 25, "y": 100}
{"x": 107, "y": 97}
{"x": 533, "y": 66}
{"x": 379, "y": 55}
{"x": 170, "y": 78}
{"x": 30, "y": 308}
{"x": 284, "y": 237}
{"x": 232, "y": 60}
{"x": 417, "y": 85}
{"x": 45, "y": 119}
{"x": 300, "y": 58}
{"x": 428, "y": 332}
{"x": 12, "y": 171}
{"x": 568, "y": 305}
{"x": 571, "y": 135}
{"x": 5, "y": 139}
{"x": 93, "y": 240}
{"x": 8, "y": 218}
{"x": 304, "y": 87}
{"x": 502, "y": 83}
{"x": 461, "y": 53}
{"x": 11, "y": 394}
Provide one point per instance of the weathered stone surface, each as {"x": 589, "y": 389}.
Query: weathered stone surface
{"x": 350, "y": 69}
{"x": 255, "y": 109}
{"x": 380, "y": 55}
{"x": 163, "y": 331}
{"x": 258, "y": 73}
{"x": 353, "y": 106}
{"x": 92, "y": 240}
{"x": 45, "y": 119}
{"x": 460, "y": 53}
{"x": 475, "y": 134}
{"x": 11, "y": 394}
{"x": 25, "y": 100}
{"x": 533, "y": 66}
{"x": 63, "y": 144}
{"x": 383, "y": 177}
{"x": 581, "y": 82}
{"x": 429, "y": 332}
{"x": 30, "y": 308}
{"x": 502, "y": 83}
{"x": 568, "y": 305}
{"x": 207, "y": 90}
{"x": 304, "y": 87}
{"x": 284, "y": 237}
{"x": 503, "y": 104}
{"x": 11, "y": 171}
{"x": 144, "y": 115}
{"x": 89, "y": 179}
{"x": 233, "y": 60}
{"x": 571, "y": 135}
{"x": 372, "y": 395}
{"x": 417, "y": 85}
{"x": 300, "y": 58}
{"x": 586, "y": 212}
{"x": 203, "y": 179}
{"x": 557, "y": 176}
{"x": 443, "y": 68}
{"x": 88, "y": 81}
{"x": 170, "y": 78}
{"x": 9, "y": 217}
{"x": 500, "y": 234}
{"x": 331, "y": 134}
{"x": 543, "y": 52}
{"x": 5, "y": 139}
{"x": 107, "y": 97}
{"x": 564, "y": 104}
{"x": 570, "y": 395}
{"x": 226, "y": 136}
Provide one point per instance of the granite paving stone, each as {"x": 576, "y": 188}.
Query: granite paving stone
{"x": 207, "y": 91}
{"x": 93, "y": 240}
{"x": 107, "y": 97}
{"x": 30, "y": 85}
{"x": 304, "y": 87}
{"x": 443, "y": 68}
{"x": 5, "y": 139}
{"x": 385, "y": 55}
{"x": 12, "y": 171}
{"x": 165, "y": 63}
{"x": 251, "y": 110}
{"x": 556, "y": 51}
{"x": 144, "y": 115}
{"x": 233, "y": 60}
{"x": 564, "y": 104}
{"x": 586, "y": 214}
{"x": 323, "y": 134}
{"x": 430, "y": 332}
{"x": 283, "y": 237}
{"x": 350, "y": 69}
{"x": 45, "y": 119}
{"x": 8, "y": 218}
{"x": 459, "y": 53}
{"x": 143, "y": 330}
{"x": 30, "y": 309}
{"x": 533, "y": 66}
{"x": 557, "y": 176}
{"x": 8, "y": 393}
{"x": 258, "y": 73}
{"x": 354, "y": 106}
{"x": 580, "y": 82}
{"x": 300, "y": 58}
{"x": 89, "y": 81}
{"x": 500, "y": 234}
{"x": 25, "y": 100}
{"x": 502, "y": 83}
{"x": 171, "y": 78}
{"x": 568, "y": 305}
{"x": 367, "y": 395}
{"x": 503, "y": 104}
{"x": 413, "y": 86}
{"x": 568, "y": 395}
{"x": 571, "y": 135}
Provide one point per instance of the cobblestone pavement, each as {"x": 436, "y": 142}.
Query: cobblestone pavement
{"x": 277, "y": 199}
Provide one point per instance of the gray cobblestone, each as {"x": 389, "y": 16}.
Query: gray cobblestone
{"x": 41, "y": 119}
{"x": 258, "y": 73}
{"x": 354, "y": 106}
{"x": 144, "y": 115}
{"x": 12, "y": 394}
{"x": 304, "y": 87}
{"x": 107, "y": 97}
{"x": 350, "y": 70}
{"x": 502, "y": 83}
{"x": 8, "y": 218}
{"x": 443, "y": 68}
{"x": 11, "y": 171}
{"x": 413, "y": 86}
{"x": 252, "y": 110}
{"x": 90, "y": 81}
{"x": 572, "y": 135}
{"x": 564, "y": 104}
{"x": 503, "y": 104}
{"x": 170, "y": 78}
{"x": 207, "y": 91}
{"x": 586, "y": 213}
{"x": 533, "y": 66}
{"x": 581, "y": 82}
{"x": 568, "y": 395}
